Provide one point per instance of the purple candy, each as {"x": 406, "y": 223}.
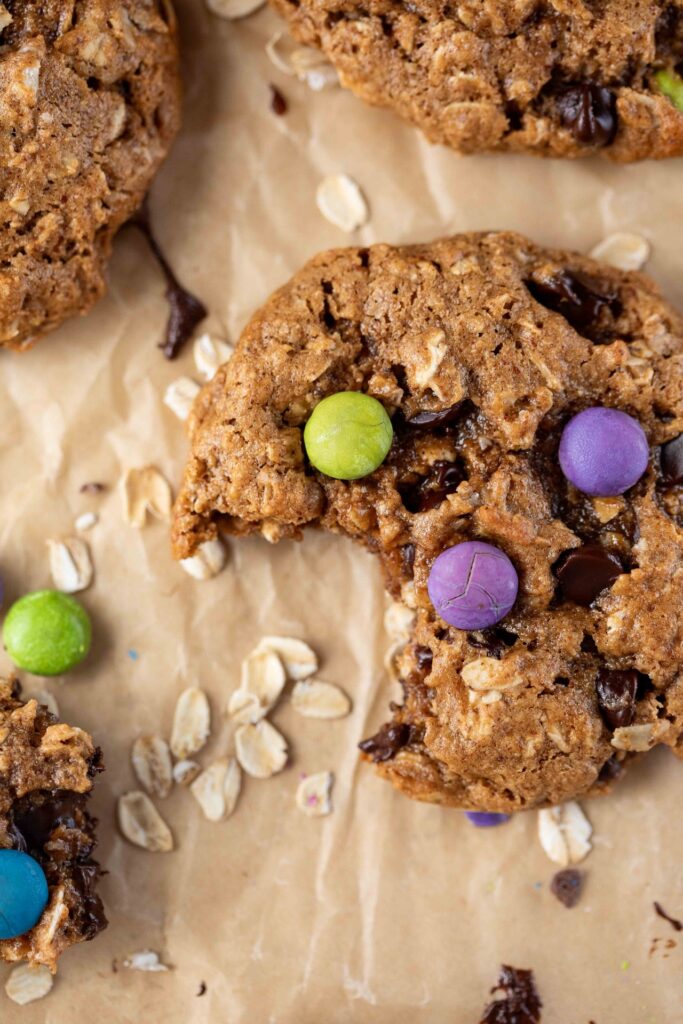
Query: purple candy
{"x": 603, "y": 452}
{"x": 472, "y": 585}
{"x": 486, "y": 819}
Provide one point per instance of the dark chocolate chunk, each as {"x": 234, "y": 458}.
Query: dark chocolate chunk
{"x": 521, "y": 1003}
{"x": 278, "y": 104}
{"x": 590, "y": 112}
{"x": 617, "y": 692}
{"x": 387, "y": 742}
{"x": 495, "y": 640}
{"x": 576, "y": 298}
{"x": 567, "y": 886}
{"x": 424, "y": 658}
{"x": 444, "y": 478}
{"x": 186, "y": 310}
{"x": 585, "y": 572}
{"x": 429, "y": 420}
{"x": 673, "y": 921}
{"x": 610, "y": 770}
{"x": 672, "y": 461}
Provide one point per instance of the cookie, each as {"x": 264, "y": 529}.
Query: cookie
{"x": 565, "y": 78}
{"x": 90, "y": 100}
{"x": 482, "y": 348}
{"x": 47, "y": 770}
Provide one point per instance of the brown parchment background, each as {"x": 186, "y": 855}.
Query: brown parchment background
{"x": 387, "y": 911}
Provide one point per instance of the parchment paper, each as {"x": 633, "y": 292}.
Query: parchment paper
{"x": 386, "y": 911}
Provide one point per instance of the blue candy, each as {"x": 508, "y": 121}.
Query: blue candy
{"x": 23, "y": 893}
{"x": 486, "y": 819}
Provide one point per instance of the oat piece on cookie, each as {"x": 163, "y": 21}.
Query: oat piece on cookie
{"x": 563, "y": 78}
{"x": 47, "y": 770}
{"x": 90, "y": 101}
{"x": 481, "y": 347}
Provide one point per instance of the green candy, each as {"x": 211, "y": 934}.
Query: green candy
{"x": 47, "y": 633}
{"x": 348, "y": 435}
{"x": 671, "y": 84}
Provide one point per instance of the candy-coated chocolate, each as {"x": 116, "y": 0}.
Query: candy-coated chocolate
{"x": 348, "y": 435}
{"x": 47, "y": 633}
{"x": 472, "y": 585}
{"x": 603, "y": 451}
{"x": 23, "y": 893}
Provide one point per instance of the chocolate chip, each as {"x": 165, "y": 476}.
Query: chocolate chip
{"x": 429, "y": 420}
{"x": 672, "y": 461}
{"x": 408, "y": 557}
{"x": 617, "y": 691}
{"x": 495, "y": 640}
{"x": 443, "y": 479}
{"x": 521, "y": 1003}
{"x": 567, "y": 886}
{"x": 575, "y": 297}
{"x": 590, "y": 111}
{"x": 610, "y": 770}
{"x": 424, "y": 658}
{"x": 278, "y": 104}
{"x": 585, "y": 572}
{"x": 387, "y": 742}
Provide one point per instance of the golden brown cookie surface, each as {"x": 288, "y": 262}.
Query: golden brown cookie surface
{"x": 480, "y": 347}
{"x": 552, "y": 77}
{"x": 89, "y": 102}
{"x": 47, "y": 770}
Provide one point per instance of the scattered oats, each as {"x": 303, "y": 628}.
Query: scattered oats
{"x": 217, "y": 788}
{"x": 313, "y": 794}
{"x": 308, "y": 64}
{"x": 607, "y": 509}
{"x": 86, "y": 521}
{"x": 244, "y": 708}
{"x": 263, "y": 677}
{"x": 489, "y": 674}
{"x": 299, "y": 659}
{"x": 5, "y": 17}
{"x": 261, "y": 750}
{"x": 191, "y": 723}
{"x": 565, "y": 833}
{"x": 209, "y": 354}
{"x": 639, "y": 737}
{"x": 151, "y": 760}
{"x": 20, "y": 205}
{"x": 341, "y": 202}
{"x": 26, "y": 984}
{"x": 624, "y": 250}
{"x": 233, "y": 9}
{"x": 145, "y": 960}
{"x": 399, "y": 620}
{"x": 207, "y": 561}
{"x": 146, "y": 490}
{"x": 70, "y": 564}
{"x": 316, "y": 699}
{"x": 141, "y": 823}
{"x": 185, "y": 772}
{"x": 180, "y": 395}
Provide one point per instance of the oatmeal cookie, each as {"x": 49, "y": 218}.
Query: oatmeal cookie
{"x": 90, "y": 102}
{"x": 481, "y": 347}
{"x": 562, "y": 78}
{"x": 47, "y": 770}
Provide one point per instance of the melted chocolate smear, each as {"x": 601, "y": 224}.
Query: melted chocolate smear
{"x": 520, "y": 1004}
{"x": 576, "y": 298}
{"x": 672, "y": 461}
{"x": 38, "y": 817}
{"x": 674, "y": 922}
{"x": 443, "y": 479}
{"x": 202, "y": 988}
{"x": 186, "y": 310}
{"x": 583, "y": 573}
{"x": 590, "y": 112}
{"x": 567, "y": 886}
{"x": 278, "y": 104}
{"x": 387, "y": 742}
{"x": 617, "y": 692}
